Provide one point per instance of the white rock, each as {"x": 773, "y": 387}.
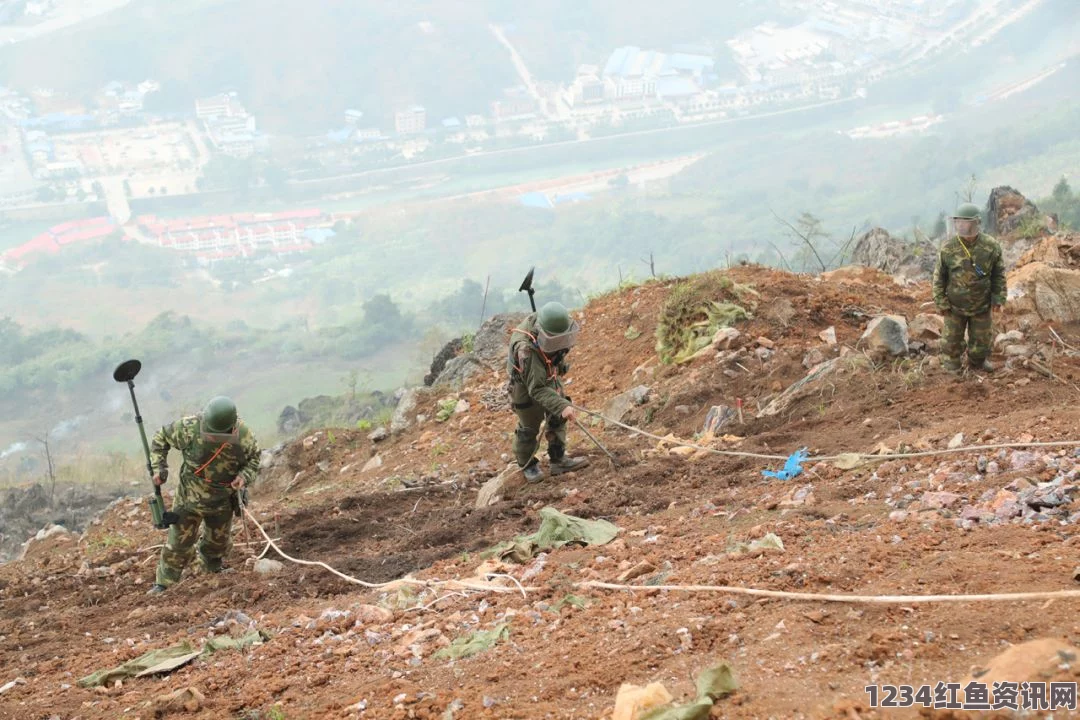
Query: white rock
{"x": 266, "y": 566}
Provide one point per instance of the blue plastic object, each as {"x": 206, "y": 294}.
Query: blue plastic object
{"x": 792, "y": 467}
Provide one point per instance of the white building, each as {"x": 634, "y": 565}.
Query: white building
{"x": 411, "y": 121}
{"x": 218, "y": 106}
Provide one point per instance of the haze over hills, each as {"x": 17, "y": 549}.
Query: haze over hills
{"x": 358, "y": 211}
{"x": 325, "y": 210}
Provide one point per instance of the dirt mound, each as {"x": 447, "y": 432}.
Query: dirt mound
{"x": 380, "y": 507}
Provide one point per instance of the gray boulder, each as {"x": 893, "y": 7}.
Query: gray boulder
{"x": 886, "y": 335}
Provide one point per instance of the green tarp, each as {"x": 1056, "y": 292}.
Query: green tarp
{"x": 474, "y": 643}
{"x": 713, "y": 684}
{"x": 556, "y": 530}
{"x": 170, "y": 658}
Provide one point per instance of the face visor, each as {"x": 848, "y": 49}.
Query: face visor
{"x": 966, "y": 227}
{"x": 232, "y": 436}
{"x": 551, "y": 344}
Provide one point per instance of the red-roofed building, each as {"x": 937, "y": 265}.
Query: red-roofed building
{"x": 242, "y": 234}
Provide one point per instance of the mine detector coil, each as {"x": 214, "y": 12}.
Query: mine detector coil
{"x": 125, "y": 373}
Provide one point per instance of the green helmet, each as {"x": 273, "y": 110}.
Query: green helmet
{"x": 219, "y": 415}
{"x": 968, "y": 211}
{"x": 554, "y": 319}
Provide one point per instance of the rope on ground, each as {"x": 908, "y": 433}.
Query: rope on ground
{"x": 825, "y": 597}
{"x": 465, "y": 584}
{"x": 727, "y": 589}
{"x": 829, "y": 458}
{"x": 676, "y": 441}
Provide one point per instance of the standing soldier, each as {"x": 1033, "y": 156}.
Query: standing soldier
{"x": 220, "y": 458}
{"x": 969, "y": 282}
{"x": 538, "y": 348}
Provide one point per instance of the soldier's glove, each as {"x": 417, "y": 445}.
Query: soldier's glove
{"x": 163, "y": 473}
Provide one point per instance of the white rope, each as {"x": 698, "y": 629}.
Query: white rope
{"x": 467, "y": 584}
{"x": 825, "y": 597}
{"x": 829, "y": 458}
{"x": 676, "y": 441}
{"x": 727, "y": 589}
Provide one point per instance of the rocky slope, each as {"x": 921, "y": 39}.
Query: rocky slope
{"x": 811, "y": 367}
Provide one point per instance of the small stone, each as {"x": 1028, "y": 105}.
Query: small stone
{"x": 927, "y": 327}
{"x": 461, "y": 407}
{"x": 828, "y": 336}
{"x": 266, "y": 566}
{"x": 813, "y": 358}
{"x": 939, "y": 500}
{"x": 372, "y": 464}
{"x": 642, "y": 568}
{"x": 1010, "y": 338}
{"x": 1020, "y": 460}
{"x": 957, "y": 441}
{"x": 378, "y": 434}
{"x": 1014, "y": 351}
{"x": 187, "y": 699}
{"x": 372, "y": 615}
{"x": 724, "y": 337}
{"x": 766, "y": 343}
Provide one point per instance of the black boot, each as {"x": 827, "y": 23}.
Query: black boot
{"x": 533, "y": 472}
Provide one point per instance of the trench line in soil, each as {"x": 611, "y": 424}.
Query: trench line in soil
{"x": 733, "y": 590}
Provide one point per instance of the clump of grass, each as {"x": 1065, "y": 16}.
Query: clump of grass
{"x": 446, "y": 409}
{"x": 695, "y": 309}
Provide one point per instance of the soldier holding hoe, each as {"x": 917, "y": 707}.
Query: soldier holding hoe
{"x": 537, "y": 359}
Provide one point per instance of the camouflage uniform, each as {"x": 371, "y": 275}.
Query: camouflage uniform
{"x": 965, "y": 296}
{"x": 536, "y": 394}
{"x": 204, "y": 496}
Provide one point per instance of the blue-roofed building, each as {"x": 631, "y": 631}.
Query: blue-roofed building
{"x": 59, "y": 122}
{"x": 339, "y": 136}
{"x": 634, "y": 71}
{"x": 319, "y": 235}
{"x": 536, "y": 200}
{"x": 618, "y": 60}
{"x": 696, "y": 65}
{"x": 571, "y": 197}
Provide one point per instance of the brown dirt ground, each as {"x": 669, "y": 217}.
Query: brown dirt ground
{"x": 416, "y": 514}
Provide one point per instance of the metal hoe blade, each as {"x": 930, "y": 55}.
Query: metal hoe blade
{"x": 526, "y": 284}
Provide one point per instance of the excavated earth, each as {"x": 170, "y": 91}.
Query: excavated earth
{"x": 77, "y": 604}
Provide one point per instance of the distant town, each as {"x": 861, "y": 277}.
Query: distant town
{"x": 57, "y": 149}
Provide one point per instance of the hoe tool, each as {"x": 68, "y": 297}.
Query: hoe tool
{"x": 527, "y": 286}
